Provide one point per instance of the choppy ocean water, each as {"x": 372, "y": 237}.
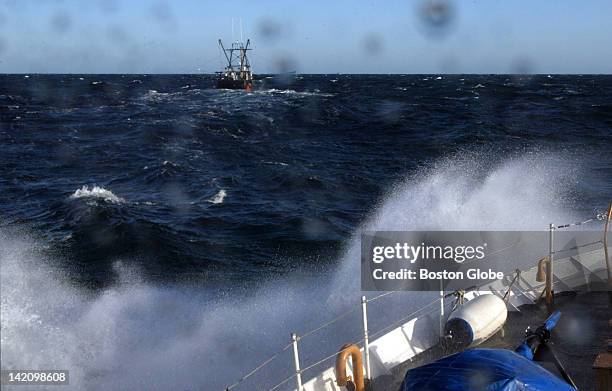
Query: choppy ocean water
{"x": 152, "y": 221}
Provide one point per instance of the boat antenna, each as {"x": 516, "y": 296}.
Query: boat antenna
{"x": 240, "y": 29}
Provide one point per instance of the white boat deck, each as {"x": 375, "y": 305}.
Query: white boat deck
{"x": 421, "y": 333}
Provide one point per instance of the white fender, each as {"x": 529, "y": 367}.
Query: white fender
{"x": 477, "y": 320}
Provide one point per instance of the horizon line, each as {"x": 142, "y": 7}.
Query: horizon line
{"x": 305, "y": 73}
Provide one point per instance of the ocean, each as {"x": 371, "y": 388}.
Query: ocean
{"x": 158, "y": 233}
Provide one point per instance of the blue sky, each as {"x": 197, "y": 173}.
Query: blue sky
{"x": 333, "y": 36}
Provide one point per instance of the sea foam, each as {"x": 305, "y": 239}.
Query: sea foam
{"x": 148, "y": 336}
{"x": 97, "y": 192}
{"x": 219, "y": 197}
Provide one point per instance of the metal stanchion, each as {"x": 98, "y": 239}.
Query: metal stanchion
{"x": 549, "y": 267}
{"x": 605, "y": 242}
{"x": 441, "y": 308}
{"x": 366, "y": 345}
{"x": 296, "y": 359}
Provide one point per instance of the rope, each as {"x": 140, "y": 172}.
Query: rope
{"x": 281, "y": 383}
{"x": 331, "y": 356}
{"x": 505, "y": 248}
{"x": 402, "y": 319}
{"x": 334, "y": 320}
{"x": 577, "y": 247}
{"x": 523, "y": 292}
{"x": 343, "y": 315}
{"x": 516, "y": 277}
{"x": 381, "y": 296}
{"x": 263, "y": 364}
{"x": 598, "y": 217}
{"x": 362, "y": 340}
{"x": 574, "y": 224}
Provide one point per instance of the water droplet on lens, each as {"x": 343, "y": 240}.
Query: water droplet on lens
{"x": 437, "y": 17}
{"x": 269, "y": 29}
{"x": 61, "y": 22}
{"x": 373, "y": 44}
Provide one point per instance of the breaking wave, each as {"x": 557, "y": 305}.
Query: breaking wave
{"x": 471, "y": 192}
{"x": 274, "y": 91}
{"x": 97, "y": 192}
{"x": 219, "y": 197}
{"x": 138, "y": 335}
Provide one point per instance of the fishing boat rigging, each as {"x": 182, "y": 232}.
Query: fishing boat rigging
{"x": 237, "y": 74}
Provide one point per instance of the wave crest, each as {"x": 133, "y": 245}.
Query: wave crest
{"x": 97, "y": 192}
{"x": 219, "y": 197}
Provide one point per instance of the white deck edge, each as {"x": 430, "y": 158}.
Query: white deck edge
{"x": 421, "y": 333}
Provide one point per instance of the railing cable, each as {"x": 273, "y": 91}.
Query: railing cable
{"x": 399, "y": 321}
{"x": 381, "y": 296}
{"x": 260, "y": 366}
{"x": 331, "y": 355}
{"x": 334, "y": 320}
{"x": 521, "y": 292}
{"x": 281, "y": 383}
{"x": 598, "y": 217}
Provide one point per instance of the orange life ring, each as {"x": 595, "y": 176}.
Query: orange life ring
{"x": 342, "y": 379}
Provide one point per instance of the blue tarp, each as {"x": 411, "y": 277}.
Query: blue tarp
{"x": 483, "y": 370}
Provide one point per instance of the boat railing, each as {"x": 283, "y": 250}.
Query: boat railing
{"x": 428, "y": 309}
{"x": 295, "y": 339}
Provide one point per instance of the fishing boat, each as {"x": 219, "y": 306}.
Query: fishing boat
{"x": 237, "y": 73}
{"x": 467, "y": 340}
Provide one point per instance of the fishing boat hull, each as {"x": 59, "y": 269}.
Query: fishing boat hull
{"x": 230, "y": 84}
